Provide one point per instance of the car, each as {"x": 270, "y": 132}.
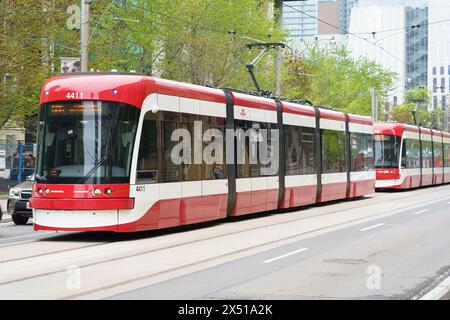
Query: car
{"x": 18, "y": 201}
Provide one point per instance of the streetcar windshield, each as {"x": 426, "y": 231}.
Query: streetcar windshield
{"x": 86, "y": 142}
{"x": 387, "y": 151}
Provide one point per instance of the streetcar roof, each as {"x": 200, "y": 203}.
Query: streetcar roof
{"x": 397, "y": 129}
{"x": 133, "y": 88}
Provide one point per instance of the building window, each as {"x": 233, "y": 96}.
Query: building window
{"x": 449, "y": 69}
{"x": 443, "y": 102}
{"x": 434, "y": 70}
{"x": 442, "y": 70}
{"x": 434, "y": 85}
{"x": 395, "y": 100}
{"x": 442, "y": 85}
{"x": 435, "y": 102}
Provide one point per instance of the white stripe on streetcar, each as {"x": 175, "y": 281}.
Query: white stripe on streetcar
{"x": 421, "y": 211}
{"x": 372, "y": 227}
{"x": 285, "y": 255}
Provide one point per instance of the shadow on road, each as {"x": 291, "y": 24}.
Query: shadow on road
{"x": 108, "y": 236}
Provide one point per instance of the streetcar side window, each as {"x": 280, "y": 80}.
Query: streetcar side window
{"x": 411, "y": 154}
{"x": 361, "y": 146}
{"x": 333, "y": 151}
{"x": 147, "y": 165}
{"x": 190, "y": 170}
{"x": 447, "y": 155}
{"x": 299, "y": 150}
{"x": 427, "y": 154}
{"x": 154, "y": 160}
{"x": 214, "y": 147}
{"x": 155, "y": 163}
{"x": 242, "y": 155}
{"x": 268, "y": 158}
{"x": 248, "y": 160}
{"x": 437, "y": 147}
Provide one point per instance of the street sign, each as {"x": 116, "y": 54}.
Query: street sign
{"x": 70, "y": 64}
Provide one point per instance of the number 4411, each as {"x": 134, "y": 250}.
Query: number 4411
{"x": 74, "y": 95}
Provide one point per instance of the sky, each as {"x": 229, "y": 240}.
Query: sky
{"x": 409, "y": 3}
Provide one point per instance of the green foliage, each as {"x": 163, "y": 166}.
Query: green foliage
{"x": 418, "y": 99}
{"x": 404, "y": 113}
{"x": 197, "y": 41}
{"x": 331, "y": 77}
{"x": 418, "y": 95}
{"x": 432, "y": 119}
{"x": 26, "y": 39}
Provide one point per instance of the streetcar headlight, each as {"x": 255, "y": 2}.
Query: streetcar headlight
{"x": 96, "y": 192}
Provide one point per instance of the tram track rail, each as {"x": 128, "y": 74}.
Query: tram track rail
{"x": 173, "y": 230}
{"x": 184, "y": 243}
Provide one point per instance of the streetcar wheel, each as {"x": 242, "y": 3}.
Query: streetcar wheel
{"x": 19, "y": 219}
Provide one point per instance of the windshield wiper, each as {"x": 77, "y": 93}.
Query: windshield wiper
{"x": 95, "y": 167}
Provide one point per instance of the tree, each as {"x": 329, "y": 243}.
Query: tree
{"x": 403, "y": 113}
{"x": 197, "y": 41}
{"x": 26, "y": 56}
{"x": 418, "y": 99}
{"x": 420, "y": 94}
{"x": 331, "y": 77}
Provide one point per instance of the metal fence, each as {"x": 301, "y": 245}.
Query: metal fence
{"x": 17, "y": 162}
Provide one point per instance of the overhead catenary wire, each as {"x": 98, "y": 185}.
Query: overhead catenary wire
{"x": 349, "y": 33}
{"x": 99, "y": 20}
{"x": 202, "y": 27}
{"x": 404, "y": 28}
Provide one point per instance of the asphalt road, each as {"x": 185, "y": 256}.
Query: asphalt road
{"x": 9, "y": 232}
{"x": 385, "y": 246}
{"x": 407, "y": 250}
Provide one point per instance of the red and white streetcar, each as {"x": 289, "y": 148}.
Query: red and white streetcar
{"x": 408, "y": 156}
{"x": 105, "y": 143}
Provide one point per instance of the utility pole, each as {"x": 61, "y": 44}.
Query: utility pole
{"x": 374, "y": 105}
{"x": 84, "y": 34}
{"x": 279, "y": 58}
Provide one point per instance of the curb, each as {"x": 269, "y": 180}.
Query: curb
{"x": 440, "y": 292}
